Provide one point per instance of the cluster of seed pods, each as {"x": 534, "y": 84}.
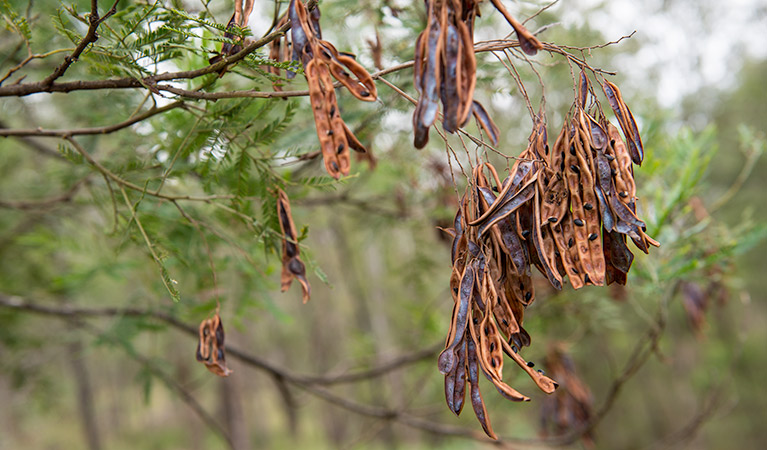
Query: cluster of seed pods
{"x": 292, "y": 266}
{"x": 210, "y": 347}
{"x": 445, "y": 67}
{"x": 321, "y": 60}
{"x": 549, "y": 213}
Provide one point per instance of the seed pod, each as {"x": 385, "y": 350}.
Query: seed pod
{"x": 476, "y": 396}
{"x": 210, "y": 346}
{"x": 292, "y": 266}
{"x": 626, "y": 121}
{"x": 527, "y": 42}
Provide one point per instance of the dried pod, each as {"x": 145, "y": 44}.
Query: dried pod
{"x": 292, "y": 266}
{"x": 210, "y": 347}
{"x": 445, "y": 71}
{"x": 527, "y": 41}
{"x": 322, "y": 62}
{"x": 239, "y": 18}
{"x": 626, "y": 121}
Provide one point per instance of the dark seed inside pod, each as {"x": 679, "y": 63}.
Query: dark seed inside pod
{"x": 530, "y": 364}
{"x": 575, "y": 169}
{"x": 562, "y": 166}
{"x": 610, "y": 158}
{"x": 578, "y": 222}
{"x": 624, "y": 194}
{"x": 334, "y": 165}
{"x": 514, "y": 349}
{"x": 290, "y": 249}
{"x": 365, "y": 94}
{"x": 330, "y": 133}
{"x": 332, "y": 111}
{"x": 296, "y": 267}
{"x": 505, "y": 322}
{"x": 541, "y": 372}
{"x": 586, "y": 279}
{"x": 475, "y": 321}
{"x": 552, "y": 219}
{"x": 613, "y": 172}
{"x": 525, "y": 233}
{"x": 572, "y": 150}
{"x": 492, "y": 361}
{"x": 570, "y": 242}
{"x": 340, "y": 148}
{"x": 528, "y": 296}
{"x": 492, "y": 346}
{"x": 612, "y": 142}
{"x": 588, "y": 206}
{"x": 593, "y": 236}
{"x": 575, "y": 271}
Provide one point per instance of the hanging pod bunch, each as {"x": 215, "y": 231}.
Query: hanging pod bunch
{"x": 491, "y": 285}
{"x": 322, "y": 62}
{"x": 565, "y": 211}
{"x": 292, "y": 266}
{"x": 210, "y": 347}
{"x": 445, "y": 68}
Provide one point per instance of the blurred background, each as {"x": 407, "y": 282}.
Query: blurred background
{"x": 96, "y": 353}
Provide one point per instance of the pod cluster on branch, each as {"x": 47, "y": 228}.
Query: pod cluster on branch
{"x": 322, "y": 62}
{"x": 566, "y": 211}
{"x": 445, "y": 68}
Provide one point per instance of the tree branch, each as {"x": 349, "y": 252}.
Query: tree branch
{"x": 19, "y": 304}
{"x": 95, "y": 130}
{"x": 90, "y": 37}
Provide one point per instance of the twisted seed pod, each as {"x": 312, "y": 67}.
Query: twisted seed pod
{"x": 292, "y": 266}
{"x": 210, "y": 346}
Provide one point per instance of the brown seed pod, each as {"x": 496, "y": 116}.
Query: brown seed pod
{"x": 445, "y": 71}
{"x": 322, "y": 62}
{"x": 527, "y": 42}
{"x": 210, "y": 346}
{"x": 292, "y": 266}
